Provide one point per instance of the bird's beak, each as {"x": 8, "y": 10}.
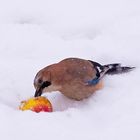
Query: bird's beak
{"x": 38, "y": 92}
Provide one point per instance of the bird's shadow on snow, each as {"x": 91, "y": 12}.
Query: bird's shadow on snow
{"x": 62, "y": 103}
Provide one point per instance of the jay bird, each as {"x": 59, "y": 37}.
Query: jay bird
{"x": 74, "y": 77}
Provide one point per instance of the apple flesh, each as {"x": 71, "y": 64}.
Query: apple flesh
{"x": 37, "y": 104}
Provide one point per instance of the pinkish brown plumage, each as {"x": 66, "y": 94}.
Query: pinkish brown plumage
{"x": 70, "y": 76}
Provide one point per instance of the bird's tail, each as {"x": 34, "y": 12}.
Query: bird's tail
{"x": 111, "y": 69}
{"x": 117, "y": 68}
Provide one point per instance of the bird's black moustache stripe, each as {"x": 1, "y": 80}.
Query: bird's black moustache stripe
{"x": 45, "y": 84}
{"x": 39, "y": 90}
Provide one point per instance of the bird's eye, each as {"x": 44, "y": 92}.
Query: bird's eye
{"x": 40, "y": 81}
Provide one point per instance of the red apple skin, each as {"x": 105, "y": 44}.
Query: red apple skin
{"x": 37, "y": 105}
{"x": 41, "y": 108}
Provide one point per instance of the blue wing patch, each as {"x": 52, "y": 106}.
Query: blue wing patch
{"x": 93, "y": 81}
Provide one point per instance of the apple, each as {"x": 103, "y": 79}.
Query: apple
{"x": 36, "y": 104}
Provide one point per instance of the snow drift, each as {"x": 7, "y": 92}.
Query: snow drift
{"x": 34, "y": 34}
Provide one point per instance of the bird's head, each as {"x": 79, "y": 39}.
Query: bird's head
{"x": 41, "y": 82}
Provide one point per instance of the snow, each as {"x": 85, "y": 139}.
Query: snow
{"x": 34, "y": 34}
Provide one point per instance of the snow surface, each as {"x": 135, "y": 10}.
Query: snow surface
{"x": 36, "y": 33}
